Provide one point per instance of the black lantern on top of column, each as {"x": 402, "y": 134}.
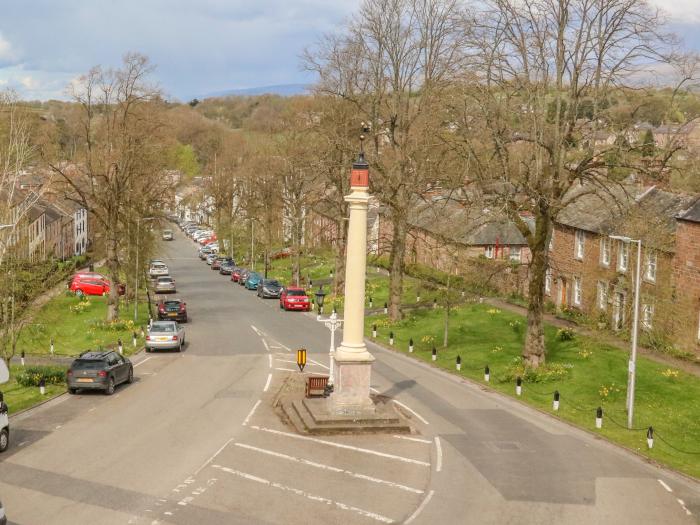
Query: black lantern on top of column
{"x": 320, "y": 295}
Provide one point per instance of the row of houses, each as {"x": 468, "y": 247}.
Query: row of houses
{"x": 592, "y": 253}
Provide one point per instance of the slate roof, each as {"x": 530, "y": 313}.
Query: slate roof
{"x": 691, "y": 214}
{"x": 596, "y": 210}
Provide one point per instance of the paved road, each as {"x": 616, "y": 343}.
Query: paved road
{"x": 195, "y": 440}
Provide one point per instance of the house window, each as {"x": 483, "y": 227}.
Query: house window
{"x": 602, "y": 295}
{"x": 650, "y": 267}
{"x": 578, "y": 292}
{"x": 623, "y": 258}
{"x": 548, "y": 281}
{"x": 578, "y": 247}
{"x": 605, "y": 251}
{"x": 515, "y": 253}
{"x": 647, "y": 316}
{"x": 489, "y": 252}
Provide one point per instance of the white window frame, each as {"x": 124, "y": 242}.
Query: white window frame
{"x": 548, "y": 281}
{"x": 605, "y": 249}
{"x": 579, "y": 244}
{"x": 647, "y": 316}
{"x": 650, "y": 266}
{"x": 602, "y": 298}
{"x": 551, "y": 241}
{"x": 578, "y": 291}
{"x": 623, "y": 254}
{"x": 512, "y": 256}
{"x": 489, "y": 251}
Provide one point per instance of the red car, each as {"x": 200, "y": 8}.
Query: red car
{"x": 236, "y": 274}
{"x": 295, "y": 299}
{"x": 92, "y": 286}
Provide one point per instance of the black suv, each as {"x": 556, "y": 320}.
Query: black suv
{"x": 99, "y": 371}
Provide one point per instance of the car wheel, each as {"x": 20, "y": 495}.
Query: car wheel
{"x": 179, "y": 348}
{"x": 4, "y": 439}
{"x": 72, "y": 391}
{"x": 148, "y": 350}
{"x": 130, "y": 378}
{"x": 110, "y": 387}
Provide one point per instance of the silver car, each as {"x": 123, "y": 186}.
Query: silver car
{"x": 164, "y": 285}
{"x": 167, "y": 235}
{"x": 157, "y": 269}
{"x": 165, "y": 335}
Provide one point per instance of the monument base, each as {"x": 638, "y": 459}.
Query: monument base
{"x": 353, "y": 373}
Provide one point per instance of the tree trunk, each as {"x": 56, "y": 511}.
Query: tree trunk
{"x": 396, "y": 267}
{"x": 113, "y": 270}
{"x": 534, "y": 349}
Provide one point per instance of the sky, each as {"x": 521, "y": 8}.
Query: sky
{"x": 198, "y": 46}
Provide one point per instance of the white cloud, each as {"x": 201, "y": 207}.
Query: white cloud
{"x": 683, "y": 11}
{"x": 29, "y": 82}
{"x": 6, "y": 52}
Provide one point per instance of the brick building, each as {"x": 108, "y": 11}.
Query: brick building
{"x": 686, "y": 272}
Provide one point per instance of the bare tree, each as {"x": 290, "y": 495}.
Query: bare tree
{"x": 536, "y": 91}
{"x": 393, "y": 64}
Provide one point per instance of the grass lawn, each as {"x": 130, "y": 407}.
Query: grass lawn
{"x": 19, "y": 397}
{"x": 75, "y": 329}
{"x": 587, "y": 374}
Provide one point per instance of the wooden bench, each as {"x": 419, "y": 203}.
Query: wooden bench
{"x": 316, "y": 386}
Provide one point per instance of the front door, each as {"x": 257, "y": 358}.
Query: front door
{"x": 563, "y": 293}
{"x": 619, "y": 311}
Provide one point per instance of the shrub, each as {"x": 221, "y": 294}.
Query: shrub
{"x": 543, "y": 374}
{"x": 565, "y": 334}
{"x": 81, "y": 306}
{"x": 31, "y": 375}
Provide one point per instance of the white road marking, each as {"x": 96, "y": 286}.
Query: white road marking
{"x": 276, "y": 347}
{"x": 341, "y": 445}
{"x": 256, "y": 330}
{"x": 682, "y": 503}
{"x": 438, "y": 451}
{"x": 411, "y": 411}
{"x": 267, "y": 383}
{"x": 250, "y": 414}
{"x": 93, "y": 408}
{"x": 23, "y": 443}
{"x": 319, "y": 364}
{"x": 420, "y": 508}
{"x": 329, "y": 468}
{"x": 190, "y": 480}
{"x": 185, "y": 501}
{"x": 417, "y": 440}
{"x": 168, "y": 513}
{"x": 143, "y": 361}
{"x": 57, "y": 427}
{"x": 285, "y": 369}
{"x": 269, "y": 360}
{"x": 299, "y": 492}
{"x": 266, "y": 345}
{"x": 664, "y": 485}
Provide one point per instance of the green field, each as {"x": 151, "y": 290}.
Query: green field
{"x": 587, "y": 374}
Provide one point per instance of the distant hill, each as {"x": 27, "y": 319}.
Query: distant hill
{"x": 285, "y": 90}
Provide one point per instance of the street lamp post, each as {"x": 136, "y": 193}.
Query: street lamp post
{"x": 332, "y": 323}
{"x": 632, "y": 366}
{"x": 136, "y": 277}
{"x": 320, "y": 295}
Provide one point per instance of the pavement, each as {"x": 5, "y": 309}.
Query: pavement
{"x": 195, "y": 440}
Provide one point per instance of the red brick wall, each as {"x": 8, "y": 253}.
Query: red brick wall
{"x": 686, "y": 273}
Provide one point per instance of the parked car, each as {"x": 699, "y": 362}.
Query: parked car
{"x": 99, "y": 371}
{"x": 158, "y": 269}
{"x": 295, "y": 299}
{"x": 4, "y": 432}
{"x": 172, "y": 309}
{"x": 252, "y": 281}
{"x": 3, "y": 517}
{"x": 87, "y": 275}
{"x": 236, "y": 273}
{"x": 216, "y": 263}
{"x": 89, "y": 287}
{"x": 269, "y": 289}
{"x": 211, "y": 258}
{"x": 244, "y": 275}
{"x": 165, "y": 335}
{"x": 167, "y": 235}
{"x": 226, "y": 267}
{"x": 164, "y": 285}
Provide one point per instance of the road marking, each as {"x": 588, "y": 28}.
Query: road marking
{"x": 184, "y": 501}
{"x": 269, "y": 360}
{"x": 143, "y": 361}
{"x": 256, "y": 330}
{"x": 417, "y": 440}
{"x": 663, "y": 484}
{"x": 319, "y": 364}
{"x": 411, "y": 411}
{"x": 267, "y": 383}
{"x": 93, "y": 408}
{"x": 299, "y": 492}
{"x": 190, "y": 480}
{"x": 250, "y": 414}
{"x": 265, "y": 344}
{"x": 329, "y": 468}
{"x": 285, "y": 369}
{"x": 22, "y": 443}
{"x": 57, "y": 427}
{"x": 682, "y": 503}
{"x": 341, "y": 445}
{"x": 438, "y": 450}
{"x": 276, "y": 347}
{"x": 420, "y": 508}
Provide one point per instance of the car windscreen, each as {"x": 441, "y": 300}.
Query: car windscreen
{"x": 88, "y": 364}
{"x": 172, "y": 303}
{"x": 296, "y": 292}
{"x": 162, "y": 327}
{"x": 271, "y": 282}
{"x": 165, "y": 279}
{"x": 167, "y": 232}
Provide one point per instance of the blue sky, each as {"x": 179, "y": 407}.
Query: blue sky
{"x": 199, "y": 46}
